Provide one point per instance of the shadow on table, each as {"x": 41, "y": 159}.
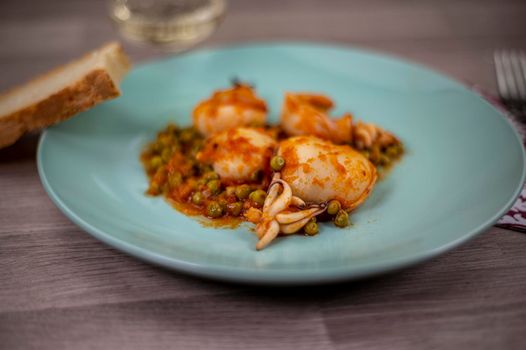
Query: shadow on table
{"x": 367, "y": 288}
{"x": 399, "y": 284}
{"x": 22, "y": 150}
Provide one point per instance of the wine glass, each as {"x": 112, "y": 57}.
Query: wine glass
{"x": 174, "y": 25}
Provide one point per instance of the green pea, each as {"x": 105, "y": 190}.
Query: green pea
{"x": 391, "y": 151}
{"x": 235, "y": 208}
{"x": 333, "y": 207}
{"x": 311, "y": 228}
{"x": 258, "y": 197}
{"x": 242, "y": 192}
{"x": 175, "y": 147}
{"x": 165, "y": 140}
{"x": 196, "y": 147}
{"x": 175, "y": 180}
{"x": 161, "y": 173}
{"x": 205, "y": 168}
{"x": 186, "y": 135}
{"x": 223, "y": 204}
{"x": 154, "y": 189}
{"x": 214, "y": 186}
{"x": 375, "y": 154}
{"x": 342, "y": 219}
{"x": 384, "y": 160}
{"x": 197, "y": 198}
{"x": 200, "y": 183}
{"x": 256, "y": 176}
{"x": 157, "y": 147}
{"x": 365, "y": 153}
{"x": 230, "y": 191}
{"x": 214, "y": 210}
{"x": 211, "y": 176}
{"x": 394, "y": 151}
{"x": 277, "y": 163}
{"x": 155, "y": 162}
{"x": 166, "y": 154}
{"x": 171, "y": 128}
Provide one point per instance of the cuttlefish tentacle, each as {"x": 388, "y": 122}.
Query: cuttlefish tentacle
{"x": 262, "y": 227}
{"x": 270, "y": 233}
{"x": 294, "y": 227}
{"x": 276, "y": 219}
{"x": 273, "y": 193}
{"x": 297, "y": 225}
{"x": 282, "y": 202}
{"x": 297, "y": 202}
{"x": 290, "y": 217}
{"x": 268, "y": 228}
{"x": 266, "y": 219}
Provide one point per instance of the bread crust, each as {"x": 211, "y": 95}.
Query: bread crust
{"x": 93, "y": 88}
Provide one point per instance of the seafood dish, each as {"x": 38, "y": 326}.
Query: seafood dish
{"x": 232, "y": 166}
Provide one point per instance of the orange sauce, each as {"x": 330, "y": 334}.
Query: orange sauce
{"x": 189, "y": 209}
{"x": 177, "y": 172}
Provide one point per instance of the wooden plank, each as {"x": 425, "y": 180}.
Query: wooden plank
{"x": 235, "y": 321}
{"x": 60, "y": 288}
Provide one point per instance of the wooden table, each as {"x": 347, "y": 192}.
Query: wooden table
{"x": 62, "y": 289}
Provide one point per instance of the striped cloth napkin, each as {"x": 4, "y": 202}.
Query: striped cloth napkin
{"x": 515, "y": 218}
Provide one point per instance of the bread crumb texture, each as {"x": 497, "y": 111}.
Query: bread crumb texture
{"x": 92, "y": 88}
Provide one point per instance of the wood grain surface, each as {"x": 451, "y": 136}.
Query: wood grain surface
{"x": 62, "y": 289}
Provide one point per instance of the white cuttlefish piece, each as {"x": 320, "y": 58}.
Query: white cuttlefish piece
{"x": 316, "y": 171}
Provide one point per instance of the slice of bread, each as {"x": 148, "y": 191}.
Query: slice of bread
{"x": 62, "y": 92}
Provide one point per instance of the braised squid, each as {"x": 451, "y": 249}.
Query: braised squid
{"x": 226, "y": 109}
{"x": 231, "y": 166}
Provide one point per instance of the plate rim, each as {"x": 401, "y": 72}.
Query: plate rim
{"x": 285, "y": 276}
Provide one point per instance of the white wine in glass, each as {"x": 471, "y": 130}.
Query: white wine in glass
{"x": 175, "y": 25}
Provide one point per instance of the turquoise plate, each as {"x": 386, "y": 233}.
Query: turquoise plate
{"x": 463, "y": 169}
